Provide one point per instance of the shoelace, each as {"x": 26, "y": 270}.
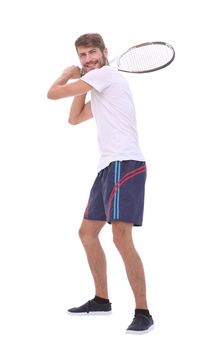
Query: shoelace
{"x": 143, "y": 317}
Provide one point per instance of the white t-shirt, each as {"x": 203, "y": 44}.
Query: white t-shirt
{"x": 113, "y": 108}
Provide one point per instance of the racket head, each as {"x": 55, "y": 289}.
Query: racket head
{"x": 146, "y": 57}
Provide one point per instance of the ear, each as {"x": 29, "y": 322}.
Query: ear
{"x": 105, "y": 52}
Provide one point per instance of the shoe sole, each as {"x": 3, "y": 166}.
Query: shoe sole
{"x": 140, "y": 332}
{"x": 91, "y": 313}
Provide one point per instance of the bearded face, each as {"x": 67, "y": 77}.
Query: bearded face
{"x": 92, "y": 58}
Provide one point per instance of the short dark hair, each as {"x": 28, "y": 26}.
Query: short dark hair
{"x": 90, "y": 39}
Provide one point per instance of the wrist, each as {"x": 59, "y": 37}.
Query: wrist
{"x": 82, "y": 72}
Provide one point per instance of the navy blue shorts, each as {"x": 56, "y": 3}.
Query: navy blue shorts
{"x": 118, "y": 193}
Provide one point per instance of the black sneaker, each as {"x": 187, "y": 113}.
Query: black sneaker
{"x": 141, "y": 324}
{"x": 92, "y": 308}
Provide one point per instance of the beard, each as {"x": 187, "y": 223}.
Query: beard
{"x": 95, "y": 64}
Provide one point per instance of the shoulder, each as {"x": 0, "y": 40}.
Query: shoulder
{"x": 99, "y": 78}
{"x": 104, "y": 77}
{"x": 101, "y": 72}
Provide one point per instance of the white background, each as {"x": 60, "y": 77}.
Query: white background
{"x": 48, "y": 167}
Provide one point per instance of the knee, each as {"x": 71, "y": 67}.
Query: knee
{"x": 122, "y": 236}
{"x": 86, "y": 236}
{"x": 119, "y": 239}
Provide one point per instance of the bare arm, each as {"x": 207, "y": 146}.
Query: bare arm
{"x": 61, "y": 88}
{"x": 80, "y": 111}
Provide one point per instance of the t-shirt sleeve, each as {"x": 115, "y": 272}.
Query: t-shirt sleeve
{"x": 99, "y": 78}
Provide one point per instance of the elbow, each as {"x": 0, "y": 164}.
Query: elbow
{"x": 51, "y": 96}
{"x": 73, "y": 119}
{"x": 72, "y": 122}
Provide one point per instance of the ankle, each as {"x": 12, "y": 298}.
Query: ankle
{"x": 144, "y": 312}
{"x": 101, "y": 300}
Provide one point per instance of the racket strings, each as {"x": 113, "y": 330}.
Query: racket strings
{"x": 145, "y": 58}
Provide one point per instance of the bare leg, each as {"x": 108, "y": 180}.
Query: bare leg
{"x": 122, "y": 236}
{"x": 89, "y": 232}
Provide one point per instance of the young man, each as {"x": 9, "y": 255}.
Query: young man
{"x": 117, "y": 196}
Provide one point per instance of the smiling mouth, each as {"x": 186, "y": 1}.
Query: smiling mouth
{"x": 91, "y": 64}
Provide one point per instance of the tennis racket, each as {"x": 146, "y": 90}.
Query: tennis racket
{"x": 145, "y": 58}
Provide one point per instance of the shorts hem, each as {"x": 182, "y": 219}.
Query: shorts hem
{"x": 110, "y": 221}
{"x": 95, "y": 219}
{"x": 126, "y": 221}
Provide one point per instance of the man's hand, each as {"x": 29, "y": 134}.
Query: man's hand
{"x": 72, "y": 72}
{"x": 61, "y": 88}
